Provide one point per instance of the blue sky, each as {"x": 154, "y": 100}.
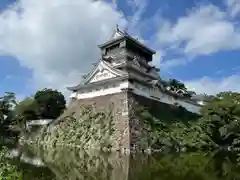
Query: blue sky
{"x": 52, "y": 43}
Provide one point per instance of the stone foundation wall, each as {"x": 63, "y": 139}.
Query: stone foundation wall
{"x": 117, "y": 104}
{"x": 129, "y": 132}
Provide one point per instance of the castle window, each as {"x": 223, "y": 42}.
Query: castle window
{"x": 112, "y": 48}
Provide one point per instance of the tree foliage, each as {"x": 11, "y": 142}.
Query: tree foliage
{"x": 175, "y": 135}
{"x": 49, "y": 103}
{"x": 7, "y": 103}
{"x": 217, "y": 127}
{"x": 176, "y": 84}
{"x": 7, "y": 170}
{"x": 26, "y": 110}
{"x": 45, "y": 104}
{"x": 221, "y": 119}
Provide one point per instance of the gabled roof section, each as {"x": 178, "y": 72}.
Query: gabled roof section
{"x": 103, "y": 71}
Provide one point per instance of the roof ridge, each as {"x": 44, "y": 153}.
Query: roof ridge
{"x": 113, "y": 68}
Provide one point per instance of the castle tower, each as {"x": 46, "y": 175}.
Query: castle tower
{"x": 124, "y": 65}
{"x": 124, "y": 77}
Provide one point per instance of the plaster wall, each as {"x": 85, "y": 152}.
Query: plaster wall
{"x": 151, "y": 93}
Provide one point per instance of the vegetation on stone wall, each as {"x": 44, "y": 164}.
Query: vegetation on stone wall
{"x": 86, "y": 128}
{"x": 175, "y": 135}
{"x": 218, "y": 126}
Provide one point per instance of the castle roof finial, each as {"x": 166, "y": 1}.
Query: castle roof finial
{"x": 117, "y": 28}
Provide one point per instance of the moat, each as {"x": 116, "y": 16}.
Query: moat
{"x": 75, "y": 164}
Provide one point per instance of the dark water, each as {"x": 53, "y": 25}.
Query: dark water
{"x": 74, "y": 164}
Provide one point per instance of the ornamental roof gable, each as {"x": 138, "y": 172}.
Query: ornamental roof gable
{"x": 103, "y": 71}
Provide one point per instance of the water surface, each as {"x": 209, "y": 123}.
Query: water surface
{"x": 75, "y": 164}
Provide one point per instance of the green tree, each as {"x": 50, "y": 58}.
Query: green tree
{"x": 45, "y": 104}
{"x": 7, "y": 103}
{"x": 26, "y": 109}
{"x": 7, "y": 117}
{"x": 221, "y": 119}
{"x": 49, "y": 103}
{"x": 176, "y": 84}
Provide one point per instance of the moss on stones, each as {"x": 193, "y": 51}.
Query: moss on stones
{"x": 88, "y": 129}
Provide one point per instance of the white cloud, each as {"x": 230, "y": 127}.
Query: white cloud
{"x": 57, "y": 39}
{"x": 234, "y": 7}
{"x": 135, "y": 20}
{"x": 173, "y": 62}
{"x": 209, "y": 85}
{"x": 202, "y": 31}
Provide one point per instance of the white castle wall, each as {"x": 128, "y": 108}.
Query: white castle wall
{"x": 156, "y": 94}
{"x": 101, "y": 91}
{"x": 152, "y": 93}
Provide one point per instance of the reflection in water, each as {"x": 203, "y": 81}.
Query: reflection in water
{"x": 76, "y": 164}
